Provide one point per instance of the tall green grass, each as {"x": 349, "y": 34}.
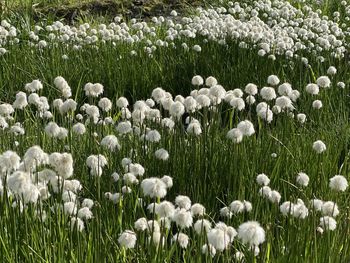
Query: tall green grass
{"x": 209, "y": 169}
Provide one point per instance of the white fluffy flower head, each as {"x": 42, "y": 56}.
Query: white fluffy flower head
{"x": 338, "y": 183}
{"x": 319, "y": 146}
{"x": 251, "y": 233}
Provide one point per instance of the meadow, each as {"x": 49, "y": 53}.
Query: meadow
{"x": 214, "y": 132}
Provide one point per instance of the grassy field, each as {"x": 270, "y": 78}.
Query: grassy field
{"x": 72, "y": 10}
{"x": 82, "y": 205}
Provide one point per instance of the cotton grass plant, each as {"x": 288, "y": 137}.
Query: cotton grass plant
{"x": 74, "y": 181}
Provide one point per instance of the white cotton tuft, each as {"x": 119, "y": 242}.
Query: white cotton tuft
{"x": 183, "y": 201}
{"x": 273, "y": 80}
{"x": 111, "y": 142}
{"x": 317, "y": 104}
{"x": 122, "y": 102}
{"x": 211, "y": 81}
{"x": 312, "y": 89}
{"x": 331, "y": 71}
{"x": 319, "y": 146}
{"x": 237, "y": 207}
{"x": 338, "y": 183}
{"x": 182, "y": 218}
{"x": 284, "y": 89}
{"x": 177, "y": 109}
{"x": 251, "y": 89}
{"x": 208, "y": 250}
{"x": 182, "y": 239}
{"x": 328, "y": 223}
{"x": 262, "y": 179}
{"x": 268, "y": 93}
{"x": 251, "y": 233}
{"x": 197, "y": 80}
{"x": 127, "y": 239}
{"x": 202, "y": 226}
{"x": 153, "y": 136}
{"x": 154, "y": 187}
{"x": 302, "y": 179}
{"x": 246, "y": 128}
{"x": 197, "y": 210}
{"x": 162, "y": 154}
{"x": 93, "y": 90}
{"x": 34, "y": 86}
{"x": 323, "y": 82}
{"x": 316, "y": 204}
{"x": 235, "y": 135}
{"x": 218, "y": 238}
{"x": 330, "y": 208}
{"x": 275, "y": 196}
{"x": 301, "y": 117}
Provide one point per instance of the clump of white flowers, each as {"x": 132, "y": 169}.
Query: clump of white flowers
{"x": 319, "y": 146}
{"x": 127, "y": 239}
{"x": 235, "y": 135}
{"x": 197, "y": 80}
{"x": 251, "y": 233}
{"x": 251, "y": 89}
{"x": 208, "y": 250}
{"x": 262, "y": 179}
{"x": 338, "y": 183}
{"x": 317, "y": 104}
{"x": 77, "y": 223}
{"x": 211, "y": 81}
{"x": 153, "y": 136}
{"x": 105, "y": 104}
{"x": 111, "y": 142}
{"x": 62, "y": 163}
{"x": 21, "y": 101}
{"x": 183, "y": 201}
{"x": 268, "y": 93}
{"x": 328, "y": 223}
{"x": 96, "y": 163}
{"x": 182, "y": 239}
{"x": 329, "y": 208}
{"x": 298, "y": 209}
{"x": 93, "y": 90}
{"x": 182, "y": 218}
{"x": 301, "y": 117}
{"x": 162, "y": 154}
{"x": 154, "y": 187}
{"x": 312, "y": 88}
{"x": 273, "y": 80}
{"x": 34, "y": 86}
{"x": 218, "y": 239}
{"x": 237, "y": 206}
{"x": 331, "y": 71}
{"x": 79, "y": 128}
{"x": 302, "y": 179}
{"x": 246, "y": 127}
{"x": 63, "y": 86}
{"x": 177, "y": 109}
{"x": 9, "y": 161}
{"x": 147, "y": 125}
{"x": 323, "y": 82}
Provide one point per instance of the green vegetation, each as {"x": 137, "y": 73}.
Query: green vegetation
{"x": 208, "y": 167}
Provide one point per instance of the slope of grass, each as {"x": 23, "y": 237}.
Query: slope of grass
{"x": 71, "y": 10}
{"x": 209, "y": 168}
